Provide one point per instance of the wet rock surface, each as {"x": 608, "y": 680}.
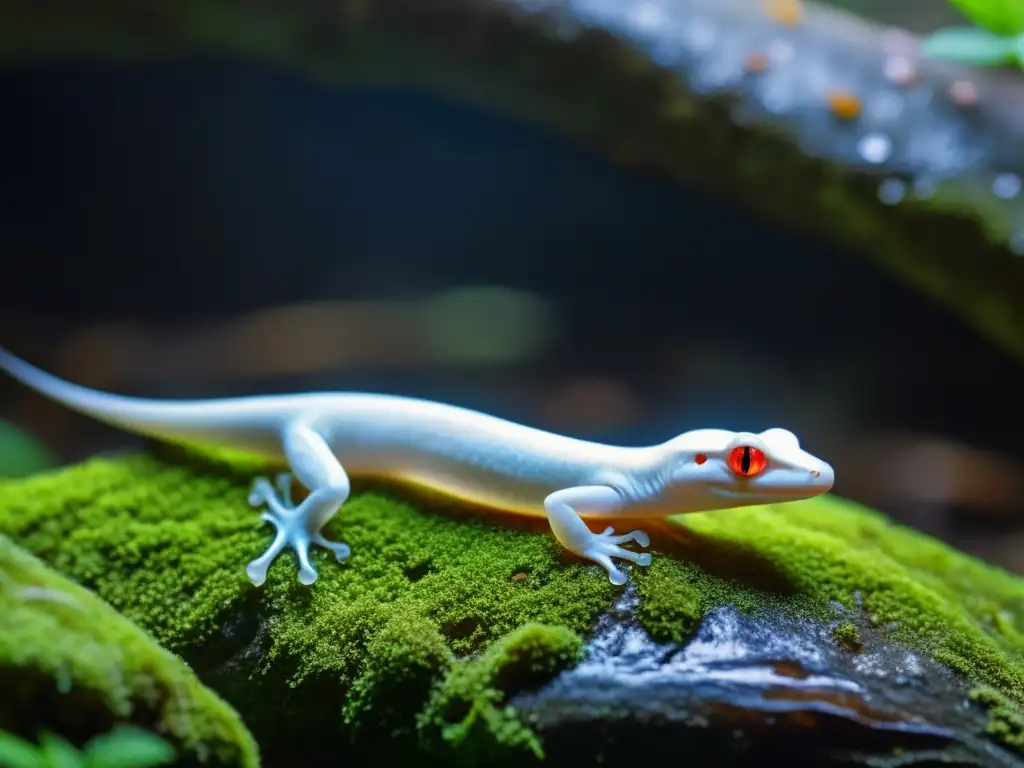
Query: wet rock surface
{"x": 750, "y": 688}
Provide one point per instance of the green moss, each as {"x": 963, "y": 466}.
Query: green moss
{"x": 847, "y": 637}
{"x": 403, "y": 661}
{"x": 1006, "y": 721}
{"x": 421, "y": 595}
{"x": 677, "y": 595}
{"x": 469, "y": 707}
{"x": 436, "y": 618}
{"x": 71, "y": 665}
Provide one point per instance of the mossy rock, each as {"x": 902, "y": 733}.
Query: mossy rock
{"x": 419, "y": 644}
{"x": 72, "y": 671}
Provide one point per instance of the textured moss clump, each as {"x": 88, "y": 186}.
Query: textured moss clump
{"x": 847, "y": 636}
{"x": 167, "y": 542}
{"x": 1006, "y": 722}
{"x": 468, "y": 708}
{"x": 71, "y": 666}
{"x": 437, "y": 619}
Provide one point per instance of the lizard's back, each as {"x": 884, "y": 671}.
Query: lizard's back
{"x": 456, "y": 450}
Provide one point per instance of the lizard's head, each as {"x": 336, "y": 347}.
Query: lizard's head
{"x": 717, "y": 469}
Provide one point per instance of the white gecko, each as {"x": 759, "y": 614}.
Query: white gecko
{"x": 326, "y": 438}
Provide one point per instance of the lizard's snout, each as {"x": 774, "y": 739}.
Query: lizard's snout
{"x": 823, "y": 477}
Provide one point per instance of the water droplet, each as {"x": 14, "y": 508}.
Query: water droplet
{"x": 874, "y": 147}
{"x": 1006, "y": 185}
{"x": 899, "y": 70}
{"x": 892, "y": 191}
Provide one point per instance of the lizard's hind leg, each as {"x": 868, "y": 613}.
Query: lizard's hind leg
{"x": 299, "y": 526}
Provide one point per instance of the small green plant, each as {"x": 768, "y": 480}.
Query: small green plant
{"x": 997, "y": 39}
{"x": 123, "y": 747}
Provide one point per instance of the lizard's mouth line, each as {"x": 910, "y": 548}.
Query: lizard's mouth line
{"x": 753, "y": 490}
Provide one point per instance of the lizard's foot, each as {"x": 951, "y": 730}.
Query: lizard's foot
{"x": 294, "y": 531}
{"x": 602, "y": 547}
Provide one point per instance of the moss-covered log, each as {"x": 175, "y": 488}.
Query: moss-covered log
{"x": 430, "y": 641}
{"x": 72, "y": 669}
{"x": 806, "y": 116}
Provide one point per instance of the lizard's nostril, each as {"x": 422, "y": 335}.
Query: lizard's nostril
{"x": 815, "y": 473}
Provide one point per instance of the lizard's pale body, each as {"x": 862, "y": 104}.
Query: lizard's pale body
{"x": 327, "y": 438}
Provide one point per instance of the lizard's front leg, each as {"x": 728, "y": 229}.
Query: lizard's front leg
{"x": 298, "y": 527}
{"x": 563, "y": 508}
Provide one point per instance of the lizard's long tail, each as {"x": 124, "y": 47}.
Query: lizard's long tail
{"x": 243, "y": 423}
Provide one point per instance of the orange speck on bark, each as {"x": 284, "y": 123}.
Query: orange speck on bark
{"x": 786, "y": 12}
{"x": 844, "y": 104}
{"x": 757, "y": 62}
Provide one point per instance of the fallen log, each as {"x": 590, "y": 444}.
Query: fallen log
{"x": 808, "y": 117}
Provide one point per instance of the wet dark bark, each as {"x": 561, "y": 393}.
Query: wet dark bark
{"x": 717, "y": 94}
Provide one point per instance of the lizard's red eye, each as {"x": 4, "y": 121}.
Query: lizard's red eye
{"x": 700, "y": 458}
{"x": 747, "y": 461}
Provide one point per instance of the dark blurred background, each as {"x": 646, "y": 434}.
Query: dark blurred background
{"x": 217, "y": 227}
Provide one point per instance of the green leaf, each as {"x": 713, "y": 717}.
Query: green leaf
{"x": 18, "y": 753}
{"x": 971, "y": 46}
{"x": 127, "y": 747}
{"x": 58, "y": 753}
{"x": 1004, "y": 17}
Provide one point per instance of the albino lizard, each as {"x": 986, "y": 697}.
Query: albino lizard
{"x": 326, "y": 438}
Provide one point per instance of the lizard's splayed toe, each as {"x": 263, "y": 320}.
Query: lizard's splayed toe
{"x": 604, "y": 548}
{"x": 340, "y": 549}
{"x": 263, "y": 492}
{"x": 257, "y": 573}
